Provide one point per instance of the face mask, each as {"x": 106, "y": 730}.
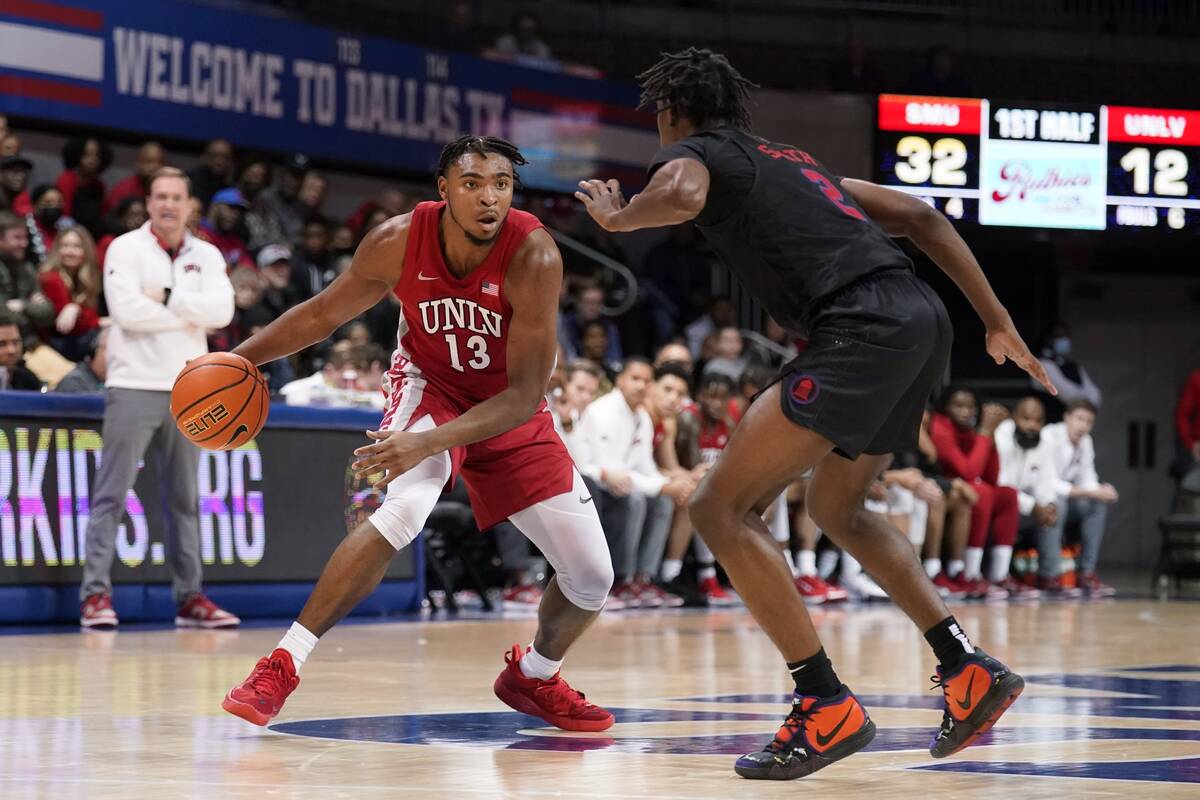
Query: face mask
{"x": 1027, "y": 440}
{"x": 49, "y": 216}
{"x": 1062, "y": 346}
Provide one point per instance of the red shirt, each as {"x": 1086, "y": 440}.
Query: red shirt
{"x": 102, "y": 248}
{"x": 69, "y": 182}
{"x": 963, "y": 453}
{"x": 713, "y": 438}
{"x": 22, "y": 204}
{"x": 454, "y": 331}
{"x": 56, "y": 291}
{"x": 1187, "y": 415}
{"x": 236, "y": 253}
{"x": 130, "y": 187}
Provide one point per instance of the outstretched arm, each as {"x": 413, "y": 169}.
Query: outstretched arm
{"x": 531, "y": 285}
{"x": 901, "y": 214}
{"x": 676, "y": 193}
{"x": 376, "y": 268}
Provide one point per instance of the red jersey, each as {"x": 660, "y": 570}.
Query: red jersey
{"x": 660, "y": 435}
{"x": 453, "y": 331}
{"x": 713, "y": 438}
{"x": 963, "y": 453}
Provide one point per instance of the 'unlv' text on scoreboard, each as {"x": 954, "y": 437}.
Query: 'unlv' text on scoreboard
{"x": 1043, "y": 165}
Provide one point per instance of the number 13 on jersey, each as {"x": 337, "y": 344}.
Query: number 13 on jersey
{"x": 479, "y": 354}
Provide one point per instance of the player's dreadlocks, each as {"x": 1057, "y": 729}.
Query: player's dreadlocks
{"x": 480, "y": 145}
{"x": 698, "y": 84}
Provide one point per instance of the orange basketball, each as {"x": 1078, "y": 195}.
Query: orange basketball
{"x": 220, "y": 401}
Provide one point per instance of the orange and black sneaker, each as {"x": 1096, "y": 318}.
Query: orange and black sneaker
{"x": 552, "y": 700}
{"x": 818, "y": 732}
{"x": 977, "y": 692}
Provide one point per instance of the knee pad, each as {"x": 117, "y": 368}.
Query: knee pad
{"x": 587, "y": 584}
{"x": 395, "y": 522}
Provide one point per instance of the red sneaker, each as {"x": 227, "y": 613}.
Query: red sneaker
{"x": 1019, "y": 590}
{"x": 654, "y": 596}
{"x": 1093, "y": 587}
{"x": 552, "y": 700}
{"x": 833, "y": 594}
{"x": 628, "y": 594}
{"x": 197, "y": 611}
{"x": 716, "y": 594}
{"x": 811, "y": 590}
{"x": 949, "y": 588}
{"x": 97, "y": 613}
{"x": 523, "y": 597}
{"x": 1054, "y": 589}
{"x": 259, "y": 698}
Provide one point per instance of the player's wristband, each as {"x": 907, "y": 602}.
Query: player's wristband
{"x": 166, "y": 295}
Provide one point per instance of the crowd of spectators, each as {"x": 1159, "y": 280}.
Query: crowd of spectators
{"x": 984, "y": 483}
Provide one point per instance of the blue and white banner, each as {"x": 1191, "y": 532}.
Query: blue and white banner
{"x": 169, "y": 68}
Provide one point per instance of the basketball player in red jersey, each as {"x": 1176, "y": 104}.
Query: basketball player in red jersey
{"x": 478, "y": 285}
{"x": 816, "y": 251}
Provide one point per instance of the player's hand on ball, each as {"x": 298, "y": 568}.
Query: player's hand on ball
{"x": 394, "y": 451}
{"x": 603, "y": 199}
{"x": 1005, "y": 344}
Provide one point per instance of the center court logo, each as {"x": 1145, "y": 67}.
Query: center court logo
{"x": 1114, "y": 706}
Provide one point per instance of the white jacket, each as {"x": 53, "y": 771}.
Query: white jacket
{"x": 1075, "y": 463}
{"x": 1031, "y": 472}
{"x": 611, "y": 435}
{"x": 150, "y": 342}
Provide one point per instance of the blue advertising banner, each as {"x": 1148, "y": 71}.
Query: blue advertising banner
{"x": 191, "y": 71}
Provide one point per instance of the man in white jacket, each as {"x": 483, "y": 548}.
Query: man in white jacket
{"x": 1081, "y": 496}
{"x": 165, "y": 289}
{"x": 1027, "y": 466}
{"x": 615, "y": 450}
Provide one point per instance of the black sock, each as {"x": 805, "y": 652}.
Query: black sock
{"x": 949, "y": 643}
{"x": 815, "y": 676}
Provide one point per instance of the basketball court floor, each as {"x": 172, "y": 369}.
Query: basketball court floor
{"x": 405, "y": 709}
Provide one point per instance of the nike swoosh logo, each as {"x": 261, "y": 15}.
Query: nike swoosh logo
{"x": 421, "y": 276}
{"x": 965, "y": 703}
{"x": 823, "y": 739}
{"x": 240, "y": 430}
{"x": 585, "y": 500}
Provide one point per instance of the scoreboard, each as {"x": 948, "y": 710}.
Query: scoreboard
{"x": 1041, "y": 165}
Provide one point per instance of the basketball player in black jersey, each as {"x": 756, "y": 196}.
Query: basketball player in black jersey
{"x": 815, "y": 251}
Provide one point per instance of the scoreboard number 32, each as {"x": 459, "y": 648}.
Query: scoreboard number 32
{"x": 943, "y": 161}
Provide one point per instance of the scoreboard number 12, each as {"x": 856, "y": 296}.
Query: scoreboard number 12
{"x": 946, "y": 167}
{"x": 1170, "y": 171}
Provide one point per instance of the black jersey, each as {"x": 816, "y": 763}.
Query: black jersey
{"x": 782, "y": 223}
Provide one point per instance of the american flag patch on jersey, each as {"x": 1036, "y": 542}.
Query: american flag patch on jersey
{"x": 490, "y": 288}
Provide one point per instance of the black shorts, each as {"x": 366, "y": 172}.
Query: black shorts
{"x": 876, "y": 350}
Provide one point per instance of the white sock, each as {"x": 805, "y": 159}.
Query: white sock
{"x": 1000, "y": 562}
{"x": 704, "y": 573}
{"x": 787, "y": 554}
{"x": 299, "y": 641}
{"x": 827, "y": 563}
{"x": 535, "y": 665}
{"x": 973, "y": 559}
{"x": 850, "y": 566}
{"x": 933, "y": 566}
{"x": 955, "y": 567}
{"x": 671, "y": 567}
{"x": 806, "y": 562}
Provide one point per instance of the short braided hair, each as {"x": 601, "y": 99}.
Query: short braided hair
{"x": 482, "y": 146}
{"x": 698, "y": 84}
